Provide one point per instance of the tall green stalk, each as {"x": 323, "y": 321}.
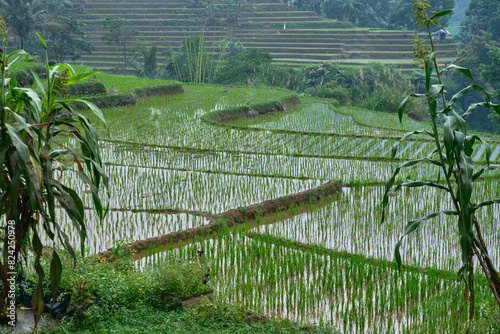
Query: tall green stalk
{"x": 455, "y": 165}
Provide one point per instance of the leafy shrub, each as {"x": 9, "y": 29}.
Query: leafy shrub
{"x": 179, "y": 277}
{"x": 319, "y": 75}
{"x": 123, "y": 284}
{"x": 311, "y": 91}
{"x": 381, "y": 88}
{"x": 254, "y": 67}
{"x": 24, "y": 77}
{"x": 208, "y": 318}
{"x": 341, "y": 94}
{"x": 92, "y": 87}
{"x": 489, "y": 321}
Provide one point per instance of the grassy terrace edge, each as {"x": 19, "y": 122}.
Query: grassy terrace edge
{"x": 234, "y": 216}
{"x": 231, "y": 114}
{"x": 130, "y": 98}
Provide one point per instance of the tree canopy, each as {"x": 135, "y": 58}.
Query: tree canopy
{"x": 401, "y": 15}
{"x": 23, "y": 16}
{"x": 368, "y": 13}
{"x": 481, "y": 15}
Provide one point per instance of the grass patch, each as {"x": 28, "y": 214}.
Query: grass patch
{"x": 204, "y": 319}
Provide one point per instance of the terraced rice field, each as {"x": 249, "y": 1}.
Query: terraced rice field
{"x": 295, "y": 38}
{"x": 191, "y": 184}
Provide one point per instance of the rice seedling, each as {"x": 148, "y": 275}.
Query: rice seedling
{"x": 347, "y": 293}
{"x": 352, "y": 224}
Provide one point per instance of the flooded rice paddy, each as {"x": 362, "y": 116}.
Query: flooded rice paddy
{"x": 329, "y": 264}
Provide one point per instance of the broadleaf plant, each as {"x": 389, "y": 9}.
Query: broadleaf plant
{"x": 39, "y": 135}
{"x": 452, "y": 157}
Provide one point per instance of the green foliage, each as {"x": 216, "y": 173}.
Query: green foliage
{"x": 121, "y": 249}
{"x": 150, "y": 62}
{"x": 329, "y": 91}
{"x": 207, "y": 318}
{"x": 149, "y": 67}
{"x": 373, "y": 86}
{"x": 482, "y": 15}
{"x": 344, "y": 10}
{"x": 24, "y": 16}
{"x": 32, "y": 127}
{"x": 254, "y": 67}
{"x": 24, "y": 76}
{"x": 81, "y": 297}
{"x": 130, "y": 301}
{"x": 183, "y": 278}
{"x": 91, "y": 87}
{"x": 122, "y": 283}
{"x": 477, "y": 53}
{"x": 318, "y": 75}
{"x": 57, "y": 7}
{"x": 214, "y": 9}
{"x": 489, "y": 321}
{"x": 125, "y": 40}
{"x": 368, "y": 13}
{"x": 492, "y": 74}
{"x": 191, "y": 63}
{"x": 453, "y": 158}
{"x": 477, "y": 56}
{"x": 243, "y": 66}
{"x": 66, "y": 39}
{"x": 401, "y": 16}
{"x": 232, "y": 9}
{"x": 378, "y": 87}
{"x": 307, "y": 5}
{"x": 232, "y": 48}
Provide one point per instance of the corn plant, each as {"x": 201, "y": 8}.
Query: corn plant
{"x": 452, "y": 155}
{"x": 33, "y": 133}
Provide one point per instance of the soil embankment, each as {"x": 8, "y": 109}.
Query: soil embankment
{"x": 236, "y": 216}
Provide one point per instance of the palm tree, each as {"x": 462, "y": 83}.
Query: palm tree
{"x": 24, "y": 16}
{"x": 349, "y": 6}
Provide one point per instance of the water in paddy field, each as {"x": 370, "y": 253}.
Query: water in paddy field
{"x": 313, "y": 117}
{"x": 352, "y": 224}
{"x": 315, "y": 265}
{"x": 142, "y": 188}
{"x": 125, "y": 225}
{"x": 353, "y": 296}
{"x": 272, "y": 165}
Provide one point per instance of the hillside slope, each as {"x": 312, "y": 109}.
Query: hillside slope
{"x": 295, "y": 38}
